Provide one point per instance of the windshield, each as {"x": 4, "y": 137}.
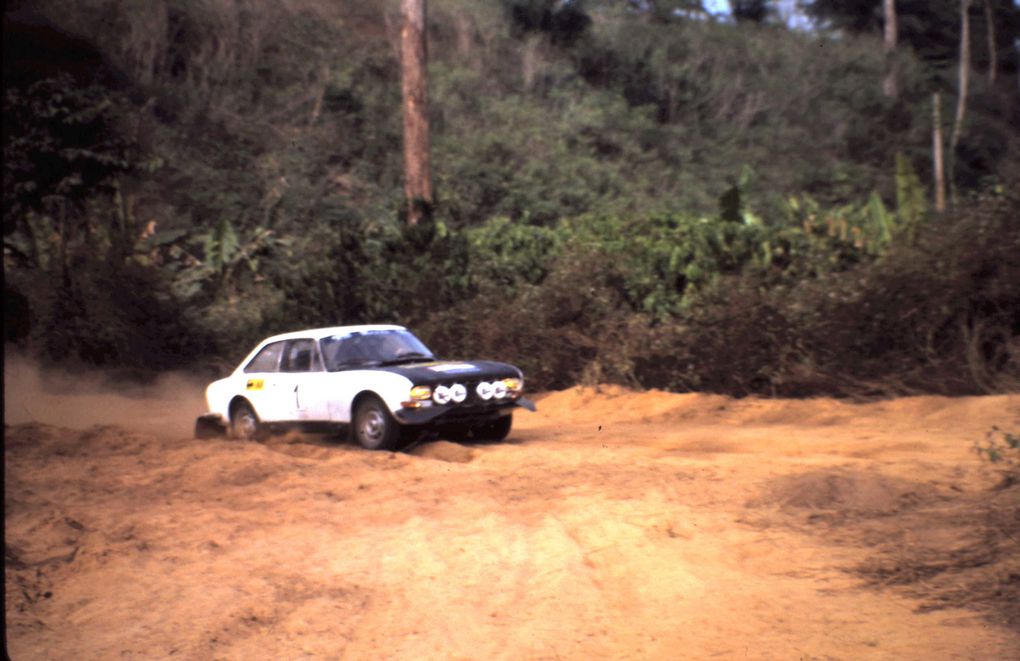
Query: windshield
{"x": 370, "y": 348}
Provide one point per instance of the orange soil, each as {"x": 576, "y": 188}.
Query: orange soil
{"x": 612, "y": 524}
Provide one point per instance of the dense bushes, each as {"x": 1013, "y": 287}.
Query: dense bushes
{"x": 668, "y": 203}
{"x": 940, "y": 313}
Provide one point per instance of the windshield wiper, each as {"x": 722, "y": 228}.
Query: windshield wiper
{"x": 351, "y": 364}
{"x": 411, "y": 357}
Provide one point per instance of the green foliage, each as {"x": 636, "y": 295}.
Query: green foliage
{"x": 880, "y": 220}
{"x": 36, "y": 244}
{"x": 940, "y": 310}
{"x": 733, "y": 204}
{"x": 811, "y": 241}
{"x": 662, "y": 262}
{"x": 56, "y": 122}
{"x": 62, "y": 145}
{"x": 563, "y": 22}
{"x": 506, "y": 255}
{"x": 643, "y": 198}
{"x": 747, "y": 95}
{"x": 1001, "y": 447}
{"x": 911, "y": 206}
{"x": 500, "y": 162}
{"x": 931, "y": 29}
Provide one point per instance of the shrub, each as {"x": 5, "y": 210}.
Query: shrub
{"x": 1002, "y": 448}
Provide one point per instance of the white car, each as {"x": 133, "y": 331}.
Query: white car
{"x": 378, "y": 381}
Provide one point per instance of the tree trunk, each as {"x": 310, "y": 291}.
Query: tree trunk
{"x": 890, "y": 86}
{"x": 317, "y": 105}
{"x": 961, "y": 97}
{"x": 936, "y": 150}
{"x": 413, "y": 57}
{"x": 993, "y": 60}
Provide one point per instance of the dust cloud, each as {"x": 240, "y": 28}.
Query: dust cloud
{"x": 165, "y": 405}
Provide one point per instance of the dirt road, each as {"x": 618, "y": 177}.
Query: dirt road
{"x": 611, "y": 525}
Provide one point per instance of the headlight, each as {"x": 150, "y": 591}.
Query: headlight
{"x": 421, "y": 393}
{"x": 513, "y": 386}
{"x": 485, "y": 390}
{"x": 458, "y": 392}
{"x": 441, "y": 395}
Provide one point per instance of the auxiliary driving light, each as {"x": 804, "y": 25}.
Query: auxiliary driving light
{"x": 458, "y": 392}
{"x": 485, "y": 390}
{"x": 441, "y": 395}
{"x": 499, "y": 390}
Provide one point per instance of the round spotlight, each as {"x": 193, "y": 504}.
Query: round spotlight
{"x": 458, "y": 392}
{"x": 485, "y": 390}
{"x": 441, "y": 395}
{"x": 499, "y": 390}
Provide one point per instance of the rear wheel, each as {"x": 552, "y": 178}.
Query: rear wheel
{"x": 374, "y": 427}
{"x": 244, "y": 424}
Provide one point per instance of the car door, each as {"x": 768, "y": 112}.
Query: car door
{"x": 303, "y": 381}
{"x": 345, "y": 373}
{"x": 262, "y": 385}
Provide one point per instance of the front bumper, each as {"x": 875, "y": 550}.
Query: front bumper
{"x": 464, "y": 414}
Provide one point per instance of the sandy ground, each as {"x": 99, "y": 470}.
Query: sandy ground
{"x": 611, "y": 525}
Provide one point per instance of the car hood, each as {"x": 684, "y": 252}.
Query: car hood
{"x": 451, "y": 371}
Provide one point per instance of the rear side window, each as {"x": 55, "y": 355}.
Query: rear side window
{"x": 267, "y": 359}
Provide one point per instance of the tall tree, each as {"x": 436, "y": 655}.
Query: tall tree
{"x": 414, "y": 86}
{"x": 993, "y": 59}
{"x": 961, "y": 96}
{"x": 890, "y": 86}
{"x": 938, "y": 169}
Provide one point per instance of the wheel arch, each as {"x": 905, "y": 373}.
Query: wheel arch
{"x": 236, "y": 401}
{"x": 362, "y": 396}
{"x": 391, "y": 439}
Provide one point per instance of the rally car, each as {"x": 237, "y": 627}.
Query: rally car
{"x": 380, "y": 383}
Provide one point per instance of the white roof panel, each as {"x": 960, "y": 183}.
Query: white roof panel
{"x": 319, "y": 333}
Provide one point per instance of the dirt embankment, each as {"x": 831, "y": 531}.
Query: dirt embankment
{"x": 612, "y": 524}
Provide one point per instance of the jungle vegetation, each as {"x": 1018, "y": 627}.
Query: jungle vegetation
{"x": 630, "y": 191}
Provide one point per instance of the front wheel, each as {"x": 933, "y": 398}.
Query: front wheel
{"x": 374, "y": 427}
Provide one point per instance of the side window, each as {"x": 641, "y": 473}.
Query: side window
{"x": 267, "y": 359}
{"x": 301, "y": 356}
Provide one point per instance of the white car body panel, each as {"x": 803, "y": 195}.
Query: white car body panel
{"x": 324, "y": 396}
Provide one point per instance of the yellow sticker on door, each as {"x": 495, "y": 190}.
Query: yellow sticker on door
{"x": 255, "y": 384}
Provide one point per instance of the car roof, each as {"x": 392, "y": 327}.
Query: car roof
{"x": 319, "y": 333}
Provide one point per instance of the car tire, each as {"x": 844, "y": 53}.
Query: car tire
{"x": 245, "y": 424}
{"x": 374, "y": 426}
{"x": 494, "y": 431}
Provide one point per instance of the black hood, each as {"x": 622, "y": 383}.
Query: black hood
{"x": 453, "y": 371}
